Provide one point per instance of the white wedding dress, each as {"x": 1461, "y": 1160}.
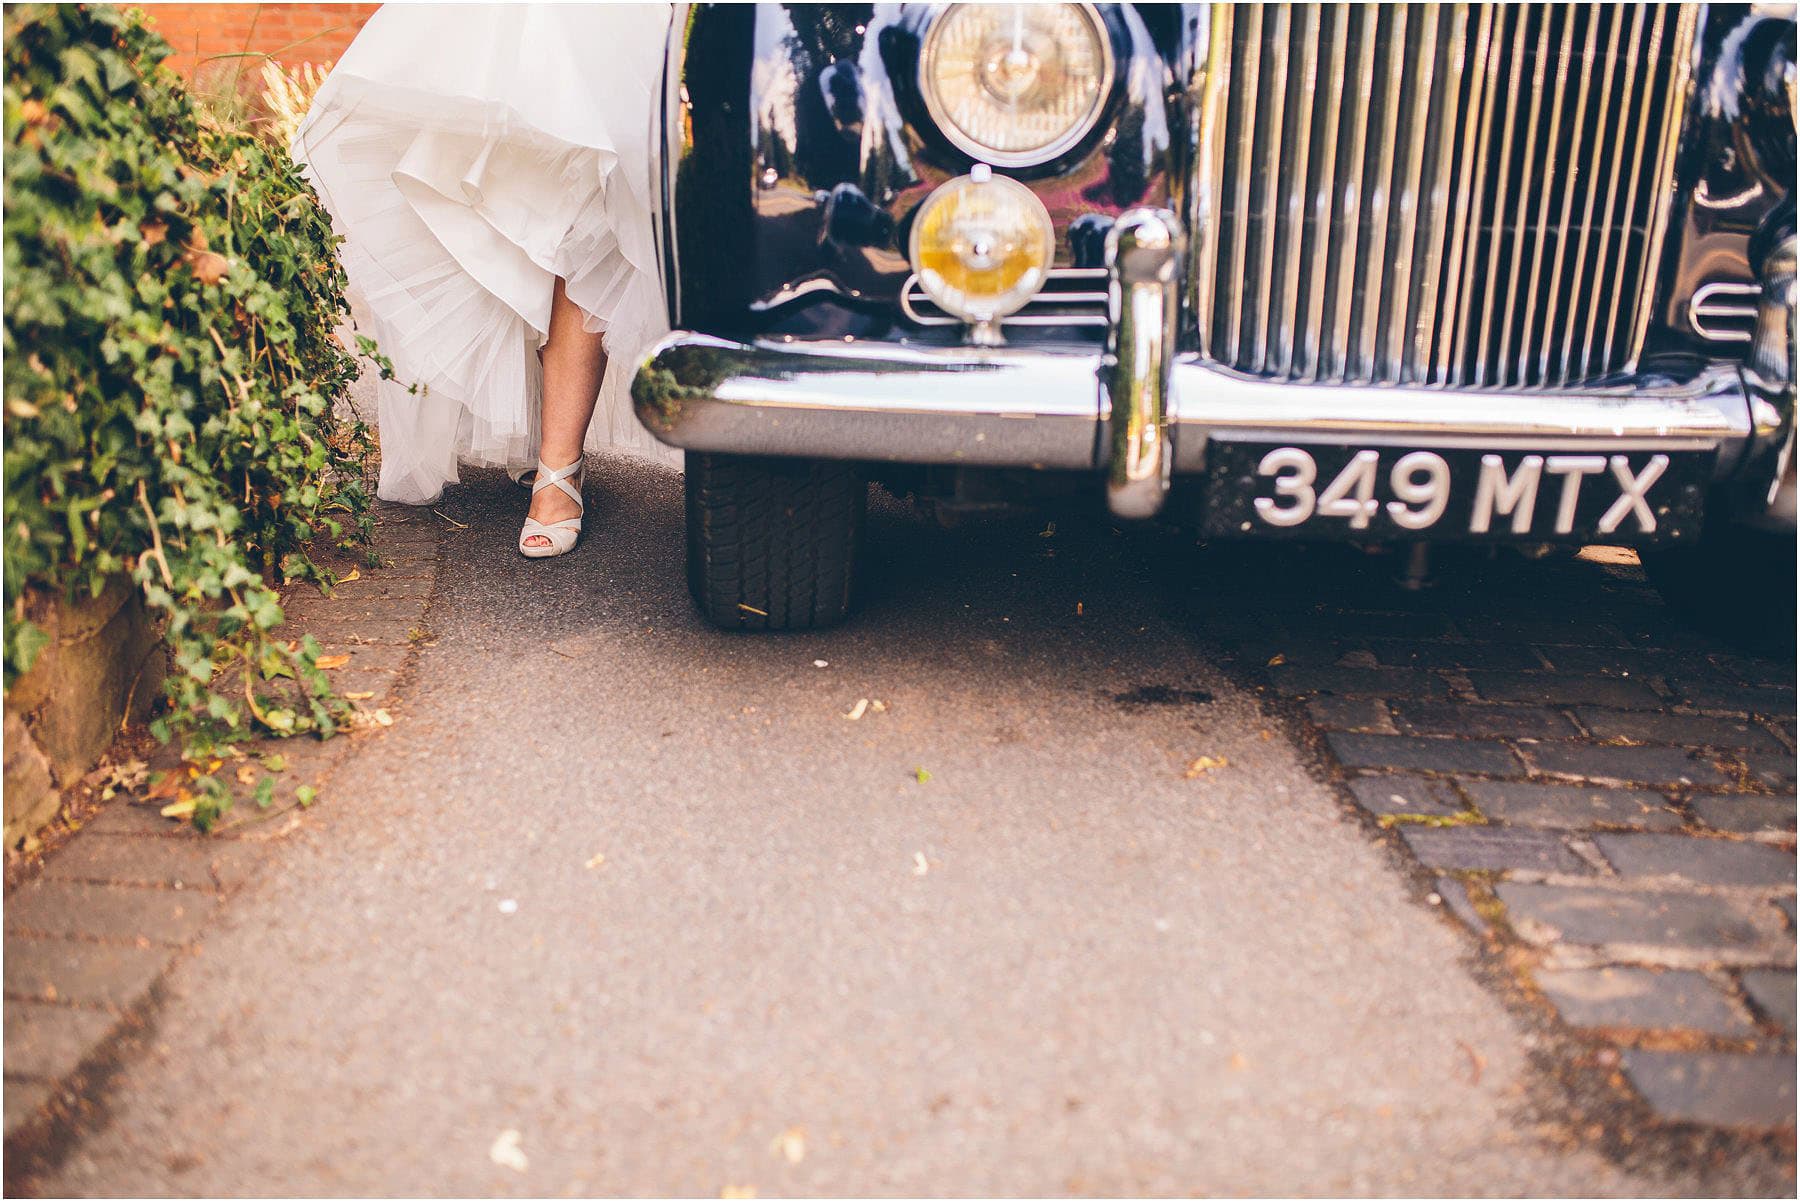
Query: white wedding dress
{"x": 470, "y": 154}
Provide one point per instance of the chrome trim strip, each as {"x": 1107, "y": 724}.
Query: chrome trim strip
{"x": 1271, "y": 217}
{"x": 1401, "y": 325}
{"x": 1381, "y": 197}
{"x": 667, "y": 150}
{"x": 1297, "y": 196}
{"x": 1436, "y": 254}
{"x": 1612, "y": 184}
{"x": 1215, "y": 108}
{"x": 1686, "y": 48}
{"x": 1519, "y": 227}
{"x": 1703, "y": 305}
{"x": 912, "y": 296}
{"x": 1353, "y": 198}
{"x": 1578, "y": 284}
{"x": 1325, "y": 202}
{"x": 1240, "y": 220}
{"x": 1491, "y": 80}
{"x": 1145, "y": 249}
{"x": 1632, "y": 193}
{"x": 1507, "y": 131}
{"x": 1481, "y": 93}
{"x": 1562, "y": 231}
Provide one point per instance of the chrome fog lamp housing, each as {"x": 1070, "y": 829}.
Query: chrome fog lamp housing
{"x": 982, "y": 246}
{"x": 1016, "y": 84}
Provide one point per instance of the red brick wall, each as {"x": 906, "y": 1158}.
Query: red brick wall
{"x": 291, "y": 33}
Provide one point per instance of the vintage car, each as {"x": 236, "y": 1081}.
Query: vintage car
{"x": 1403, "y": 273}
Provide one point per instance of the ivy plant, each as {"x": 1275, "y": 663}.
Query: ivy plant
{"x": 173, "y": 378}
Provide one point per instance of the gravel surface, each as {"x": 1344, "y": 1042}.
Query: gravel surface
{"x": 641, "y": 893}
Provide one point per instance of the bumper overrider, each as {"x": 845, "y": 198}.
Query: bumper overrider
{"x": 1140, "y": 411}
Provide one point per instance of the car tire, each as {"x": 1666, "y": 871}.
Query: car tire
{"x": 772, "y": 544}
{"x": 1736, "y": 583}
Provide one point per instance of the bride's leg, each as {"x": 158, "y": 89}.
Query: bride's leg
{"x": 574, "y": 363}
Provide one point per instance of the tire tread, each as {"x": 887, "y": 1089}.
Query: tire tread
{"x": 780, "y": 536}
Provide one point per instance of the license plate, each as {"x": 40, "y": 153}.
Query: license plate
{"x": 1325, "y": 491}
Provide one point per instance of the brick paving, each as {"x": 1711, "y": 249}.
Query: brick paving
{"x": 90, "y": 935}
{"x": 1604, "y": 796}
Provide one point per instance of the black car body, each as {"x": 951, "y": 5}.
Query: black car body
{"x": 1512, "y": 273}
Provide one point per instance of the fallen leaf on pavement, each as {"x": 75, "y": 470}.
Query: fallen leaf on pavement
{"x": 821, "y": 663}
{"x": 360, "y": 696}
{"x": 353, "y": 574}
{"x": 328, "y": 662}
{"x": 921, "y": 865}
{"x": 1477, "y": 1062}
{"x": 1204, "y": 764}
{"x": 246, "y": 774}
{"x": 790, "y": 1145}
{"x": 858, "y": 710}
{"x": 1277, "y": 660}
{"x": 879, "y": 707}
{"x": 507, "y": 1152}
{"x": 383, "y": 718}
{"x": 179, "y": 809}
{"x": 920, "y": 775}
{"x": 597, "y": 859}
{"x": 167, "y": 785}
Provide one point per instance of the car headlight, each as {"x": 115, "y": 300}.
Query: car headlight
{"x": 1016, "y": 84}
{"x": 981, "y": 245}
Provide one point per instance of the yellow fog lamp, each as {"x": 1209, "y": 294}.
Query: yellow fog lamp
{"x": 981, "y": 245}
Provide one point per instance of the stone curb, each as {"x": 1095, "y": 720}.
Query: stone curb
{"x": 90, "y": 938}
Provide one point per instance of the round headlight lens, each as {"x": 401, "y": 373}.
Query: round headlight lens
{"x": 1016, "y": 84}
{"x": 981, "y": 245}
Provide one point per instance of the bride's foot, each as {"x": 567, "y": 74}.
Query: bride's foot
{"x": 554, "y": 523}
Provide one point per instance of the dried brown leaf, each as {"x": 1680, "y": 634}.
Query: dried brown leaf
{"x": 1203, "y": 765}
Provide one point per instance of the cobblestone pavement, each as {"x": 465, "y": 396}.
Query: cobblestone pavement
{"x": 1601, "y": 794}
{"x": 90, "y": 938}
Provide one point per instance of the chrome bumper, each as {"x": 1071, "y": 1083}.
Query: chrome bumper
{"x": 1135, "y": 411}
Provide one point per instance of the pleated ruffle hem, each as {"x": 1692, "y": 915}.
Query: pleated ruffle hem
{"x": 469, "y": 157}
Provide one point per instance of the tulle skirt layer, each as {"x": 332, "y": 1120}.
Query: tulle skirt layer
{"x": 470, "y": 158}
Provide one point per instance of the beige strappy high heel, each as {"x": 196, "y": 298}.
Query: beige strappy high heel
{"x": 564, "y": 534}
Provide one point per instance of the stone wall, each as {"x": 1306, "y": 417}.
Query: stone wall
{"x": 104, "y": 658}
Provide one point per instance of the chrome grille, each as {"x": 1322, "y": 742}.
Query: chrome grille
{"x": 1468, "y": 196}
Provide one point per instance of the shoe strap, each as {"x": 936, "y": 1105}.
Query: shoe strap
{"x": 559, "y": 478}
{"x": 533, "y": 526}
